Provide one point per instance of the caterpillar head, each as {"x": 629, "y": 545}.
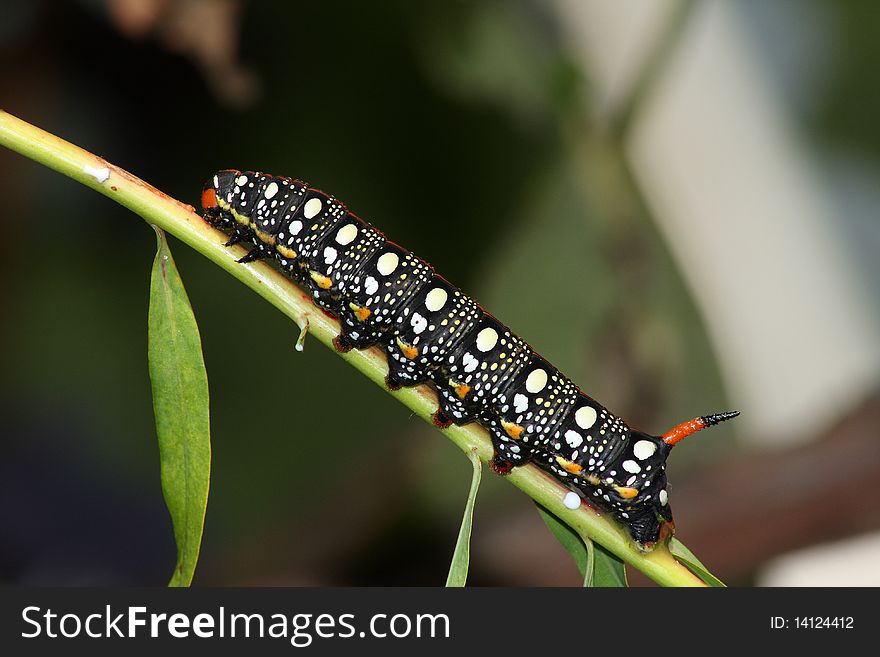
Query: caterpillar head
{"x": 217, "y": 198}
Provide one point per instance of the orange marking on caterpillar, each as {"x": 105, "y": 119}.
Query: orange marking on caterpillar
{"x": 569, "y": 466}
{"x": 626, "y": 492}
{"x": 461, "y": 389}
{"x": 322, "y": 281}
{"x": 512, "y": 429}
{"x": 286, "y": 251}
{"x": 360, "y": 312}
{"x": 209, "y": 198}
{"x": 409, "y": 351}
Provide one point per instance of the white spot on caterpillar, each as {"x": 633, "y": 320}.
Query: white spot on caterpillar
{"x": 271, "y": 190}
{"x": 573, "y": 438}
{"x": 571, "y": 500}
{"x": 520, "y": 402}
{"x": 312, "y": 207}
{"x": 487, "y": 339}
{"x": 631, "y": 466}
{"x": 436, "y": 299}
{"x": 241, "y": 180}
{"x": 536, "y": 381}
{"x": 469, "y": 362}
{"x": 371, "y": 285}
{"x": 295, "y": 227}
{"x": 346, "y": 234}
{"x": 330, "y": 255}
{"x": 585, "y": 417}
{"x": 98, "y": 173}
{"x": 216, "y": 181}
{"x": 664, "y": 497}
{"x": 419, "y": 323}
{"x": 387, "y": 263}
{"x": 644, "y": 449}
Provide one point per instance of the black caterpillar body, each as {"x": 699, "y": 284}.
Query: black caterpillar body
{"x": 433, "y": 332}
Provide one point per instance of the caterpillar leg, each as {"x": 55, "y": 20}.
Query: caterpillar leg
{"x": 354, "y": 335}
{"x": 451, "y": 401}
{"x": 643, "y": 525}
{"x": 359, "y": 330}
{"x": 254, "y": 254}
{"x": 237, "y": 233}
{"x": 405, "y": 362}
{"x": 440, "y": 419}
{"x": 510, "y": 450}
{"x": 500, "y": 466}
{"x": 324, "y": 295}
{"x": 392, "y": 382}
{"x": 237, "y": 237}
{"x": 341, "y": 344}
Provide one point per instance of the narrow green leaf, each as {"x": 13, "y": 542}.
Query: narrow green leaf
{"x": 569, "y": 539}
{"x": 609, "y": 570}
{"x": 598, "y": 566}
{"x": 680, "y": 552}
{"x": 458, "y": 569}
{"x": 180, "y": 405}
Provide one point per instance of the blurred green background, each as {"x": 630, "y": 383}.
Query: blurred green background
{"x": 470, "y": 133}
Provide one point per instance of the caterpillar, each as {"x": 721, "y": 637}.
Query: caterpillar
{"x": 434, "y": 333}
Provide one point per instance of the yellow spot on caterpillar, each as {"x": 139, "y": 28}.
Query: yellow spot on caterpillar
{"x": 322, "y": 281}
{"x": 626, "y": 492}
{"x": 286, "y": 251}
{"x": 410, "y": 352}
{"x": 360, "y": 312}
{"x": 569, "y": 466}
{"x": 512, "y": 429}
{"x": 461, "y": 389}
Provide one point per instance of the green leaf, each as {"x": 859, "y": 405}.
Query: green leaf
{"x": 180, "y": 405}
{"x": 609, "y": 570}
{"x": 598, "y": 566}
{"x": 458, "y": 569}
{"x": 680, "y": 552}
{"x": 569, "y": 539}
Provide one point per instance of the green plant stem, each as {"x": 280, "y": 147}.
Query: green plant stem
{"x": 181, "y": 221}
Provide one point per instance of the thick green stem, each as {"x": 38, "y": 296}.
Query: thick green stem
{"x": 181, "y": 221}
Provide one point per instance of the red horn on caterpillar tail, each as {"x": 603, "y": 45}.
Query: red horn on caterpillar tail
{"x": 685, "y": 429}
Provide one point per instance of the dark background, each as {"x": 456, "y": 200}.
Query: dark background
{"x": 462, "y": 130}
